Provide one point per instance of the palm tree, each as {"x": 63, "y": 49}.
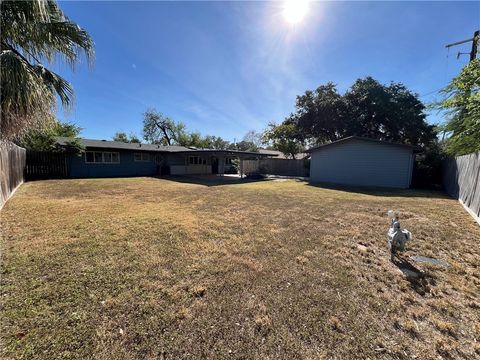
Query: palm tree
{"x": 33, "y": 32}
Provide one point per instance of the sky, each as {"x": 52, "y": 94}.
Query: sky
{"x": 224, "y": 68}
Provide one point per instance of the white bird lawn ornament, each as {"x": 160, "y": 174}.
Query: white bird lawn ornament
{"x": 397, "y": 238}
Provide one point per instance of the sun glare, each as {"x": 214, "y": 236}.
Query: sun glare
{"x": 295, "y": 10}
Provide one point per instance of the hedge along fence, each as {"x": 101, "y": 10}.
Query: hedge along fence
{"x": 461, "y": 179}
{"x": 282, "y": 167}
{"x": 12, "y": 166}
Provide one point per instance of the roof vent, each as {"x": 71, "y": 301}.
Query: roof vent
{"x": 104, "y": 140}
{"x": 140, "y": 145}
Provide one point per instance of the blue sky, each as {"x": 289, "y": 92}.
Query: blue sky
{"x": 224, "y": 68}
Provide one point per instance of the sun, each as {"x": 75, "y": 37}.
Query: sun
{"x": 295, "y": 10}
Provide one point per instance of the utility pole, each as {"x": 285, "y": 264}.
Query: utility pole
{"x": 473, "y": 53}
{"x": 474, "y": 40}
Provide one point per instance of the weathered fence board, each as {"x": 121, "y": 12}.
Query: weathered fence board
{"x": 12, "y": 165}
{"x": 45, "y": 165}
{"x": 461, "y": 180}
{"x": 283, "y": 167}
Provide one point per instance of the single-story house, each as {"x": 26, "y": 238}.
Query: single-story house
{"x": 361, "y": 161}
{"x": 104, "y": 158}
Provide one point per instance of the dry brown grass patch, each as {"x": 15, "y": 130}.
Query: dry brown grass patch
{"x": 256, "y": 270}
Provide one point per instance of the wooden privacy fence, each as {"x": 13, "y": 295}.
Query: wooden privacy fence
{"x": 12, "y": 165}
{"x": 461, "y": 180}
{"x": 45, "y": 165}
{"x": 282, "y": 167}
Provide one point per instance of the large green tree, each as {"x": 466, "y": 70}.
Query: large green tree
{"x": 283, "y": 138}
{"x": 387, "y": 112}
{"x": 320, "y": 115}
{"x": 33, "y": 33}
{"x": 462, "y": 107}
{"x": 46, "y": 139}
{"x": 160, "y": 129}
{"x": 369, "y": 108}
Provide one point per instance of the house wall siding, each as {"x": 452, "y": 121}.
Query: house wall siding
{"x": 78, "y": 168}
{"x": 178, "y": 164}
{"x": 362, "y": 163}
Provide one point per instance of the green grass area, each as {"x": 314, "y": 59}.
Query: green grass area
{"x": 152, "y": 268}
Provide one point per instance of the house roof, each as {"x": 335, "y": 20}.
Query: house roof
{"x": 360, "y": 138}
{"x": 118, "y": 145}
{"x": 107, "y": 144}
{"x": 280, "y": 155}
{"x": 226, "y": 152}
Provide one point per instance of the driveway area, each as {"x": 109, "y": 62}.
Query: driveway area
{"x": 156, "y": 268}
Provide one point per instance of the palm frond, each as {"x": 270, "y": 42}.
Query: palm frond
{"x": 55, "y": 83}
{"x": 22, "y": 85}
{"x": 38, "y": 39}
{"x": 26, "y": 103}
{"x": 32, "y": 32}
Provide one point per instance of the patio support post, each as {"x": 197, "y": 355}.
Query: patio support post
{"x": 241, "y": 168}
{"x": 221, "y": 165}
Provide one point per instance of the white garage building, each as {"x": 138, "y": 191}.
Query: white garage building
{"x": 360, "y": 161}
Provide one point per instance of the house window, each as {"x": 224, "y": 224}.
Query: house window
{"x": 89, "y": 157}
{"x": 141, "y": 157}
{"x": 102, "y": 157}
{"x": 98, "y": 156}
{"x": 194, "y": 160}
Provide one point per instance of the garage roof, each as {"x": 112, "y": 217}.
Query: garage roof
{"x": 360, "y": 138}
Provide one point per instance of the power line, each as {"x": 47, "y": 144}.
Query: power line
{"x": 431, "y": 92}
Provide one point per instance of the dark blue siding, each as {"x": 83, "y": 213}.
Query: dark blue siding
{"x": 127, "y": 166}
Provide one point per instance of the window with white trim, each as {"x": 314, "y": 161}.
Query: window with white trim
{"x": 194, "y": 160}
{"x": 141, "y": 157}
{"x": 102, "y": 157}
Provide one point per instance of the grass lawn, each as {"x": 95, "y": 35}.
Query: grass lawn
{"x": 149, "y": 268}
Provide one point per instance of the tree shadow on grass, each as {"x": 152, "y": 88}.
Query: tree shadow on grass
{"x": 419, "y": 280}
{"x": 383, "y": 192}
